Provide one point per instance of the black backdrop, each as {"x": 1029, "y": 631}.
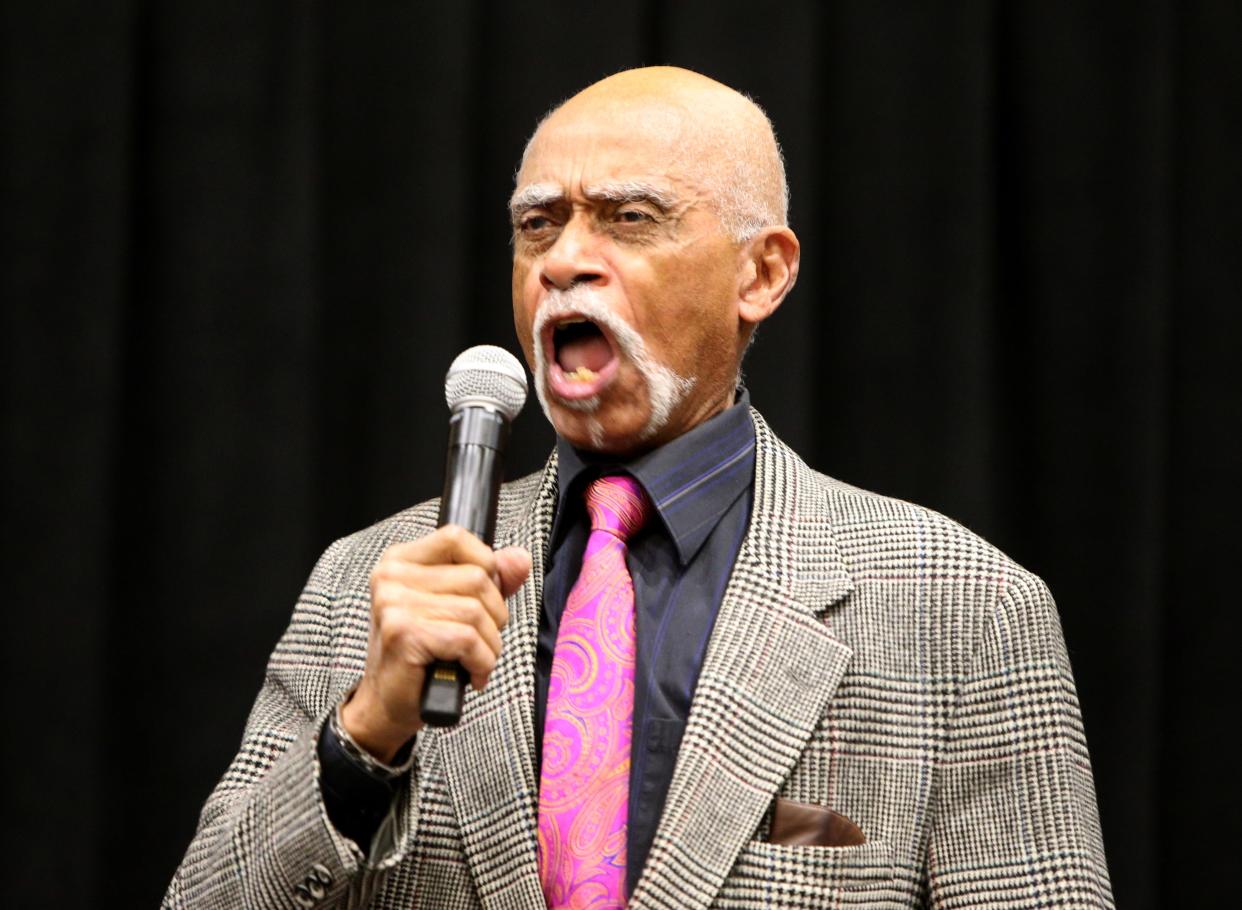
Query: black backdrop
{"x": 242, "y": 241}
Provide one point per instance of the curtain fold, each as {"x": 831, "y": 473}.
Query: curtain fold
{"x": 242, "y": 242}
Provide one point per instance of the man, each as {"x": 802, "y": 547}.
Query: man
{"x": 730, "y": 681}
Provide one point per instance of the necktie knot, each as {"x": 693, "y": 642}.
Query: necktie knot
{"x": 616, "y": 503}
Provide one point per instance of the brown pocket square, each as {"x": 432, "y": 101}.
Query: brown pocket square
{"x": 805, "y": 825}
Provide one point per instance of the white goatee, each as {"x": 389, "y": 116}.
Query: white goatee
{"x": 666, "y": 389}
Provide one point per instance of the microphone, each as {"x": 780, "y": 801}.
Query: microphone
{"x": 485, "y": 389}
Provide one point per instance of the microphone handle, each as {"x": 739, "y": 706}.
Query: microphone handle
{"x": 472, "y": 477}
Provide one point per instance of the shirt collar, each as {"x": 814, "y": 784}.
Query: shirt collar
{"x": 692, "y": 480}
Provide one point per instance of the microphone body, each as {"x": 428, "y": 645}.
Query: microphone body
{"x": 482, "y": 394}
{"x": 473, "y": 471}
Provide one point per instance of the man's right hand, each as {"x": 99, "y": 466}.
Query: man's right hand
{"x": 441, "y": 597}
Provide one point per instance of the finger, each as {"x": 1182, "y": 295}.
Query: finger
{"x": 513, "y": 567}
{"x": 396, "y": 583}
{"x": 454, "y": 641}
{"x": 465, "y": 610}
{"x": 449, "y": 544}
{"x": 479, "y": 680}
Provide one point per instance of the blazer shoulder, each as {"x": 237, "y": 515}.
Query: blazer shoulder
{"x": 905, "y": 558}
{"x": 879, "y": 537}
{"x": 881, "y": 534}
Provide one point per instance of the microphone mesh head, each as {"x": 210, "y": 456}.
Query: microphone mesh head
{"x": 486, "y": 376}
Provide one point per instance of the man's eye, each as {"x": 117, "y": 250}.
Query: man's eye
{"x": 632, "y": 216}
{"x": 535, "y": 223}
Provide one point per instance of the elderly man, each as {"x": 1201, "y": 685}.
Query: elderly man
{"x": 729, "y": 681}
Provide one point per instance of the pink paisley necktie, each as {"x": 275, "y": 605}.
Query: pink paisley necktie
{"x": 584, "y": 784}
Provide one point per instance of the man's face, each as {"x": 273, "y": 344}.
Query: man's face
{"x": 625, "y": 288}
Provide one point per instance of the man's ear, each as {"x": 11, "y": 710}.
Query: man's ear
{"x": 769, "y": 271}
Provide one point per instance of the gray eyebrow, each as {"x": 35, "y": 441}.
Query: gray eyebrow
{"x": 631, "y": 191}
{"x": 537, "y": 195}
{"x": 534, "y": 196}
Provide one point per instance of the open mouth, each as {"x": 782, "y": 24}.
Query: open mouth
{"x": 581, "y": 357}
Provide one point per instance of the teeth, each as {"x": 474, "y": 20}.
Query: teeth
{"x": 573, "y": 320}
{"x": 582, "y": 374}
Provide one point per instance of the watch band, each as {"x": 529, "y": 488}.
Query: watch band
{"x": 361, "y": 756}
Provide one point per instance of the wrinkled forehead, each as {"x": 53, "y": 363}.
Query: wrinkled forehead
{"x": 579, "y": 145}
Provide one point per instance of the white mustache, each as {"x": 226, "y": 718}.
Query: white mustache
{"x": 665, "y": 388}
{"x": 580, "y": 300}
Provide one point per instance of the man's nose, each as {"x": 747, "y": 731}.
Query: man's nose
{"x": 573, "y": 258}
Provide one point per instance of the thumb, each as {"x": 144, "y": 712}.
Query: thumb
{"x": 513, "y": 565}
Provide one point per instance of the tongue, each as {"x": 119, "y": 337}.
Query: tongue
{"x": 590, "y": 351}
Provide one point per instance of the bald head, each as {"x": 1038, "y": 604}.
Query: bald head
{"x": 713, "y": 132}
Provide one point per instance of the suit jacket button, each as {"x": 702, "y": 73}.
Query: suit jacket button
{"x": 314, "y": 887}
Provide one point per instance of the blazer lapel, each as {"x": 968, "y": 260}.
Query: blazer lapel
{"x": 489, "y": 756}
{"x": 771, "y": 667}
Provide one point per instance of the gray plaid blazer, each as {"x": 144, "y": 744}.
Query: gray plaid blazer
{"x": 869, "y": 655}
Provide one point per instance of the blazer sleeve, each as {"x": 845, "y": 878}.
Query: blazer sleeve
{"x": 1015, "y": 822}
{"x": 264, "y": 838}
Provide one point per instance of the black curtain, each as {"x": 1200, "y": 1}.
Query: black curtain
{"x": 242, "y": 242}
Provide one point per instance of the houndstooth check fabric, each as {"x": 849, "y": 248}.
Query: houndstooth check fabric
{"x": 869, "y": 655}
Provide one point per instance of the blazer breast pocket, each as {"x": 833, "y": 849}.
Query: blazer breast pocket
{"x": 809, "y": 878}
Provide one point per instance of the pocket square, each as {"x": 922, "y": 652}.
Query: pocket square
{"x": 804, "y": 825}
